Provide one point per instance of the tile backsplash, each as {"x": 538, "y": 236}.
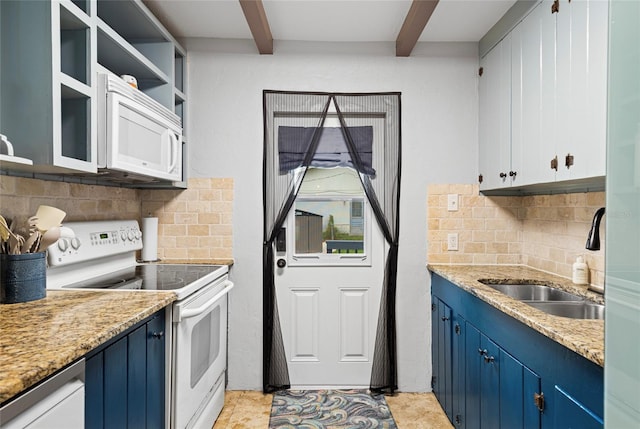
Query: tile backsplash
{"x": 546, "y": 232}
{"x": 194, "y": 224}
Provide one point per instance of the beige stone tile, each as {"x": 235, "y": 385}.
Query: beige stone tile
{"x": 433, "y": 201}
{"x": 251, "y": 410}
{"x": 460, "y": 258}
{"x": 417, "y": 411}
{"x": 209, "y": 195}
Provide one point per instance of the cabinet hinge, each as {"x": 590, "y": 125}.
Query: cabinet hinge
{"x": 554, "y": 163}
{"x": 480, "y": 178}
{"x": 433, "y": 382}
{"x": 433, "y": 306}
{"x": 480, "y": 71}
{"x": 538, "y": 400}
{"x": 457, "y": 329}
{"x": 458, "y": 419}
{"x": 568, "y": 160}
{"x": 555, "y": 7}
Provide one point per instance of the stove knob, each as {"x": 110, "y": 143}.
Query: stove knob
{"x": 63, "y": 244}
{"x": 123, "y": 235}
{"x": 138, "y": 234}
{"x": 131, "y": 235}
{"x": 75, "y": 243}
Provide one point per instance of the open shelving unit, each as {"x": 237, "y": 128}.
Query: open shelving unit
{"x": 51, "y": 52}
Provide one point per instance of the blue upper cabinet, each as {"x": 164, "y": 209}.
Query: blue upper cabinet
{"x": 501, "y": 374}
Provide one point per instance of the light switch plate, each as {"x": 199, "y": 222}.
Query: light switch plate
{"x": 452, "y": 241}
{"x": 452, "y": 202}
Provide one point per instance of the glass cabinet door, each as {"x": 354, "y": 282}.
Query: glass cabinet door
{"x": 622, "y": 287}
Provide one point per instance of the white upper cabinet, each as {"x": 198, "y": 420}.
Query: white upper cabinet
{"x": 533, "y": 95}
{"x": 495, "y": 117}
{"x": 581, "y": 88}
{"x": 557, "y": 100}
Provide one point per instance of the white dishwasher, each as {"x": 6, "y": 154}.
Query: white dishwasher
{"x": 57, "y": 403}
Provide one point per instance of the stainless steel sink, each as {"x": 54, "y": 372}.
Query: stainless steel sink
{"x": 534, "y": 292}
{"x": 549, "y": 299}
{"x": 574, "y": 310}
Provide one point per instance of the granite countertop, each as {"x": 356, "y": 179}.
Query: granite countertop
{"x": 583, "y": 336}
{"x": 40, "y": 337}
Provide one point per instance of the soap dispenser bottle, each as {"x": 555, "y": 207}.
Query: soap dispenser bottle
{"x": 580, "y": 271}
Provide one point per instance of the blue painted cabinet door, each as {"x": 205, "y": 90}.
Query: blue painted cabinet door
{"x": 457, "y": 371}
{"x": 155, "y": 386}
{"x": 489, "y": 384}
{"x": 572, "y": 414}
{"x": 472, "y": 361}
{"x": 518, "y": 387}
{"x": 125, "y": 381}
{"x": 446, "y": 358}
{"x": 435, "y": 348}
{"x": 115, "y": 385}
{"x": 442, "y": 358}
{"x": 137, "y": 378}
{"x": 94, "y": 388}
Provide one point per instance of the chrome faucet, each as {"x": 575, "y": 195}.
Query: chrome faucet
{"x": 593, "y": 240}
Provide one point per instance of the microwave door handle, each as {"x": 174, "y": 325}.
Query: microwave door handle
{"x": 173, "y": 141}
{"x": 192, "y": 312}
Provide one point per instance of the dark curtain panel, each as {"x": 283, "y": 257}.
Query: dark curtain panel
{"x": 303, "y": 115}
{"x": 332, "y": 148}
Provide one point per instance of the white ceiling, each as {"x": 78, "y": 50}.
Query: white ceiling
{"x": 329, "y": 20}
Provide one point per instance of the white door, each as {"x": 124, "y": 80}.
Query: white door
{"x": 329, "y": 291}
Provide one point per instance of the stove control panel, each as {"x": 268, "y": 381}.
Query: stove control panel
{"x": 84, "y": 241}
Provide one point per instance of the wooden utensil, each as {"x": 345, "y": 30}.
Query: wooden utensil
{"x": 48, "y": 238}
{"x": 29, "y": 243}
{"x": 49, "y": 217}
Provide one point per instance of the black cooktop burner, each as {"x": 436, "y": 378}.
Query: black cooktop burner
{"x": 149, "y": 277}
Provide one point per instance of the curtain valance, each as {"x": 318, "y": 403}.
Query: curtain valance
{"x": 332, "y": 151}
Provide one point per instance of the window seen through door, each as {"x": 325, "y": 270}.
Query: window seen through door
{"x": 329, "y": 214}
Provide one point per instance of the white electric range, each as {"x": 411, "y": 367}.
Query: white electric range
{"x": 102, "y": 256}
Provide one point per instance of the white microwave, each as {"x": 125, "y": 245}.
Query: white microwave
{"x": 137, "y": 136}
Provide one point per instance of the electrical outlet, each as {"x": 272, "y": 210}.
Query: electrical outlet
{"x": 452, "y": 202}
{"x": 452, "y": 241}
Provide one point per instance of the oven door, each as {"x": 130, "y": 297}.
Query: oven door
{"x": 199, "y": 352}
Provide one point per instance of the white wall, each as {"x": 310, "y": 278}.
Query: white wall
{"x": 439, "y": 137}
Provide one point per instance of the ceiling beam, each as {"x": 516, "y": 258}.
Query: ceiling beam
{"x": 258, "y": 24}
{"x": 413, "y": 25}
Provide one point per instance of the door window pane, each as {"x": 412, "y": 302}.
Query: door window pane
{"x": 330, "y": 214}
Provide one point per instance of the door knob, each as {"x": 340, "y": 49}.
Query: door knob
{"x": 281, "y": 263}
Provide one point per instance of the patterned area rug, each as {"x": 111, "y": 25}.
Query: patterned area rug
{"x": 330, "y": 409}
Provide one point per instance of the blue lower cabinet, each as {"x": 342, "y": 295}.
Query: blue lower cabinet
{"x": 115, "y": 385}
{"x": 442, "y": 355}
{"x": 520, "y": 399}
{"x": 572, "y": 414}
{"x": 125, "y": 379}
{"x": 493, "y": 372}
{"x": 155, "y": 385}
{"x": 94, "y": 392}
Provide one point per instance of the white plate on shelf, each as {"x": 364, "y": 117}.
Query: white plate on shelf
{"x": 7, "y": 160}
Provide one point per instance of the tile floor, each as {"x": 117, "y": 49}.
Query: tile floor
{"x": 245, "y": 409}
